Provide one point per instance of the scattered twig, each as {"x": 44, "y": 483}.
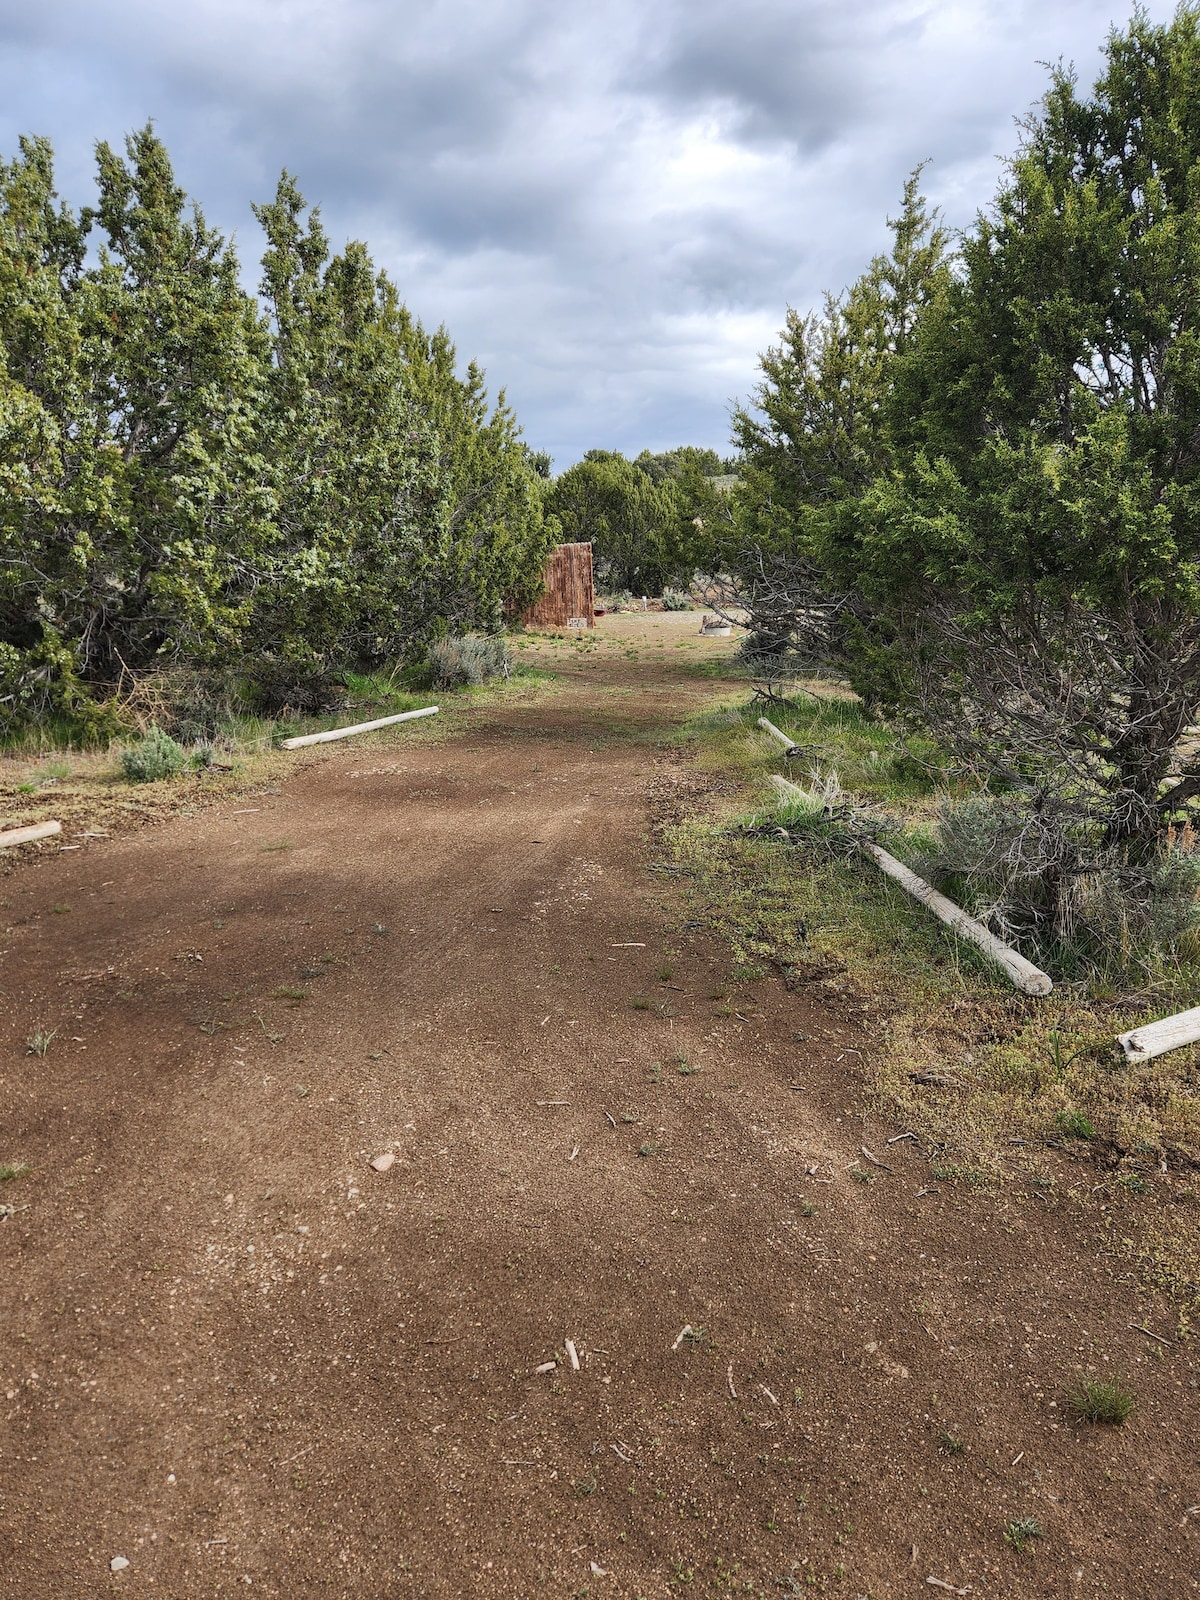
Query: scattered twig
{"x": 1137, "y": 1328}
{"x": 572, "y": 1354}
{"x": 617, "y": 1451}
{"x": 729, "y": 1380}
{"x": 874, "y": 1160}
{"x": 629, "y": 944}
{"x": 940, "y": 1583}
{"x": 552, "y": 1102}
{"x": 1015, "y": 1459}
{"x": 921, "y": 1192}
{"x": 681, "y": 1335}
{"x": 546, "y": 1366}
{"x": 899, "y": 1136}
{"x": 573, "y": 1154}
{"x": 612, "y": 1121}
{"x": 768, "y": 1394}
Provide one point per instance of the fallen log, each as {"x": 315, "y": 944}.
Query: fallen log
{"x": 1023, "y": 974}
{"x": 359, "y": 727}
{"x": 777, "y": 733}
{"x": 1156, "y": 1038}
{"x": 35, "y": 830}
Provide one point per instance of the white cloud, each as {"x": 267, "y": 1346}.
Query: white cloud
{"x": 609, "y": 204}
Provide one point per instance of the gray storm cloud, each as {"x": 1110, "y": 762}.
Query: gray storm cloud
{"x": 610, "y": 205}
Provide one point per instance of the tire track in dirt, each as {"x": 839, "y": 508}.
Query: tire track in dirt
{"x": 245, "y": 1360}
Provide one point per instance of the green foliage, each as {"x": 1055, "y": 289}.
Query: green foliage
{"x": 815, "y": 441}
{"x": 630, "y": 521}
{"x": 155, "y": 756}
{"x": 457, "y": 662}
{"x": 1076, "y": 1124}
{"x": 1037, "y": 550}
{"x": 652, "y": 523}
{"x": 973, "y": 488}
{"x": 189, "y": 477}
{"x": 1021, "y": 1532}
{"x": 1100, "y": 1400}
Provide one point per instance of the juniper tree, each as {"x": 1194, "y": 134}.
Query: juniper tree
{"x": 1038, "y": 549}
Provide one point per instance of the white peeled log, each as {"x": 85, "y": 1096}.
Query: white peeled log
{"x": 1156, "y": 1038}
{"x": 1023, "y": 974}
{"x": 777, "y": 733}
{"x": 359, "y": 727}
{"x": 35, "y": 830}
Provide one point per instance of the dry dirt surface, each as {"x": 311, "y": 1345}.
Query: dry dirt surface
{"x": 373, "y": 1096}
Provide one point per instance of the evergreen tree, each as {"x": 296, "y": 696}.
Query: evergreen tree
{"x": 819, "y": 436}
{"x": 632, "y": 523}
{"x": 1038, "y": 550}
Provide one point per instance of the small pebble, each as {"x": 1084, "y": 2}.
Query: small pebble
{"x": 383, "y": 1162}
{"x": 118, "y": 1564}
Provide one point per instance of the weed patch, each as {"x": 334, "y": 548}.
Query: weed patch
{"x": 1100, "y": 1400}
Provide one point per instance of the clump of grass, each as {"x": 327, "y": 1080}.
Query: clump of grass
{"x": 1076, "y": 1124}
{"x": 1021, "y": 1532}
{"x": 639, "y": 1003}
{"x": 648, "y": 1149}
{"x": 38, "y": 1043}
{"x": 951, "y": 1444}
{"x": 1101, "y": 1400}
{"x": 14, "y": 1169}
{"x": 155, "y": 756}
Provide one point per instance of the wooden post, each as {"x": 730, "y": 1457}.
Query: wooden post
{"x": 1156, "y": 1038}
{"x": 35, "y": 830}
{"x": 788, "y": 744}
{"x": 359, "y": 727}
{"x": 1023, "y": 974}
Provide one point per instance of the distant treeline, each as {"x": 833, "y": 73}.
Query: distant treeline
{"x": 652, "y": 522}
{"x": 281, "y": 487}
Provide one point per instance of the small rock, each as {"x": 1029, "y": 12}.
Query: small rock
{"x": 598, "y": 1572}
{"x": 118, "y": 1564}
{"x": 170, "y": 1477}
{"x": 383, "y": 1162}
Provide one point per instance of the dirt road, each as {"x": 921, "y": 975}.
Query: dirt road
{"x": 244, "y": 1360}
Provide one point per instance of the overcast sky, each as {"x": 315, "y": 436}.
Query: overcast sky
{"x": 610, "y": 204}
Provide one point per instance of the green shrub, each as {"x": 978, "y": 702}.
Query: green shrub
{"x": 677, "y": 600}
{"x": 155, "y": 756}
{"x": 463, "y": 659}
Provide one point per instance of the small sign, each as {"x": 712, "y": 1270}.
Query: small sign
{"x": 577, "y": 622}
